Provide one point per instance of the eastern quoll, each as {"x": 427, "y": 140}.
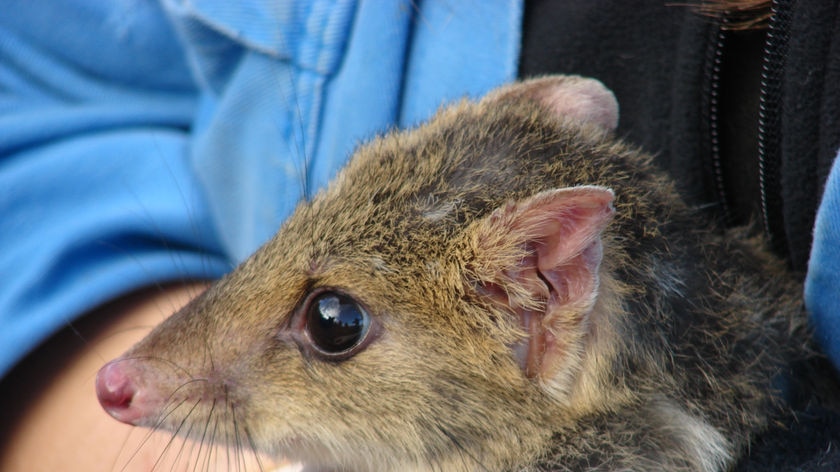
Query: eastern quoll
{"x": 507, "y": 287}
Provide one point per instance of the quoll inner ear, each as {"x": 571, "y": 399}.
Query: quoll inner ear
{"x": 554, "y": 287}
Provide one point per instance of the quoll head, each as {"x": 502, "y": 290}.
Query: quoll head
{"x": 433, "y": 307}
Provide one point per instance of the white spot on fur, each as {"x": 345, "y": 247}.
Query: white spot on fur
{"x": 667, "y": 278}
{"x": 705, "y": 446}
{"x": 380, "y": 265}
{"x": 433, "y": 269}
{"x": 434, "y": 212}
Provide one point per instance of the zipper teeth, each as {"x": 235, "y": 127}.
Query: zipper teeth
{"x": 763, "y": 113}
{"x": 768, "y": 118}
{"x": 714, "y": 122}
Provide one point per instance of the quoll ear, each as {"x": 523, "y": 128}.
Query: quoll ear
{"x": 570, "y": 97}
{"x": 539, "y": 258}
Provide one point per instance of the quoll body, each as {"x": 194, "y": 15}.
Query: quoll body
{"x": 507, "y": 287}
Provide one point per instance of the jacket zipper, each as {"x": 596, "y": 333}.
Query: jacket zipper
{"x": 713, "y": 78}
{"x": 769, "y": 124}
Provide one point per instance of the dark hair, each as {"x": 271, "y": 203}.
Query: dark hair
{"x": 738, "y": 14}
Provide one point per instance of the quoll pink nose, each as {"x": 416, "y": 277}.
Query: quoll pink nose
{"x": 116, "y": 392}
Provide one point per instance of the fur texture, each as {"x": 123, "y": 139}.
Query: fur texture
{"x": 661, "y": 344}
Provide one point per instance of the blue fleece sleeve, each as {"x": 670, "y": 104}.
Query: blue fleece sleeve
{"x": 822, "y": 284}
{"x": 97, "y": 197}
{"x": 142, "y": 142}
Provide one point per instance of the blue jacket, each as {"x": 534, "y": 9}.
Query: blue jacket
{"x": 145, "y": 142}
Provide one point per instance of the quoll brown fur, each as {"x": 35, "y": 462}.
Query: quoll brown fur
{"x": 540, "y": 299}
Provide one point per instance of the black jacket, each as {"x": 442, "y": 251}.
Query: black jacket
{"x": 748, "y": 122}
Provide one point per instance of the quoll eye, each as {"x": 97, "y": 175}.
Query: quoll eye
{"x": 336, "y": 324}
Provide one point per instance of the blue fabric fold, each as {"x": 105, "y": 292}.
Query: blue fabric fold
{"x": 822, "y": 283}
{"x": 144, "y": 142}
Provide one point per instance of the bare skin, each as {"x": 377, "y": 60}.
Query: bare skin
{"x": 52, "y": 419}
